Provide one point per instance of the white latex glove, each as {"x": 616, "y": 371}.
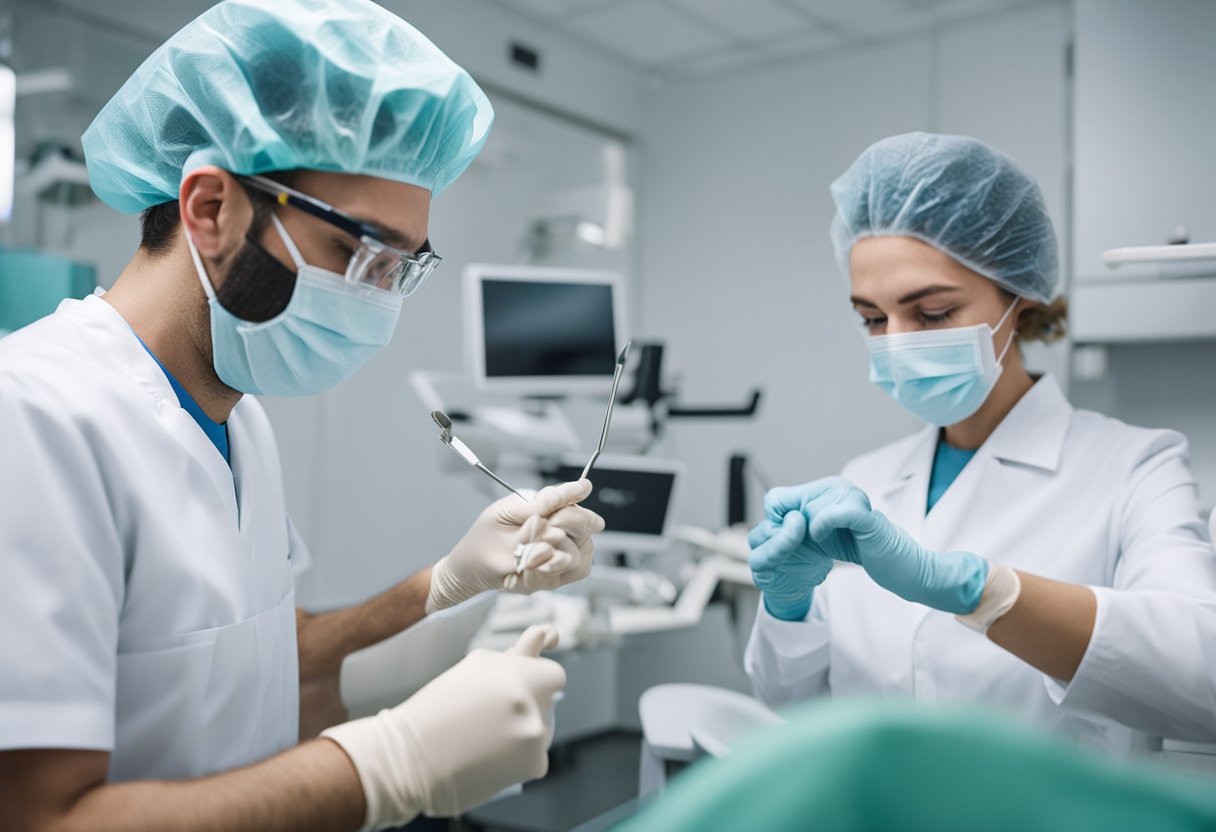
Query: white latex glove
{"x": 475, "y": 730}
{"x": 556, "y": 531}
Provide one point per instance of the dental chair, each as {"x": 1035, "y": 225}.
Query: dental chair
{"x": 681, "y": 723}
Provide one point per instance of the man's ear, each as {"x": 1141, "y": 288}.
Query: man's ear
{"x": 216, "y": 211}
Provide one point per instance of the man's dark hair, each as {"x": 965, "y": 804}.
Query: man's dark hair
{"x": 157, "y": 225}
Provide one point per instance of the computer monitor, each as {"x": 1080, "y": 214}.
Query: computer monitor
{"x": 543, "y": 331}
{"x": 635, "y": 496}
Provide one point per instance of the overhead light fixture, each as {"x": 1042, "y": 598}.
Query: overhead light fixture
{"x": 591, "y": 233}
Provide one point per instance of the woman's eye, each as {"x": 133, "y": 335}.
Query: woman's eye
{"x": 936, "y": 317}
{"x": 872, "y": 323}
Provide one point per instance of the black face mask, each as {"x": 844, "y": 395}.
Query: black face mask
{"x": 258, "y": 286}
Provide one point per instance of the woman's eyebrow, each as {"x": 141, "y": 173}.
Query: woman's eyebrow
{"x": 925, "y": 292}
{"x": 911, "y": 297}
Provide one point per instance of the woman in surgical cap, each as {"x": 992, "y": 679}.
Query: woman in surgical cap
{"x": 1016, "y": 552}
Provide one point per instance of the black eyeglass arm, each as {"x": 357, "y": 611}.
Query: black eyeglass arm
{"x": 311, "y": 205}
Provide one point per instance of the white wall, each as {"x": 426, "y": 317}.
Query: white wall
{"x": 573, "y": 77}
{"x": 738, "y": 273}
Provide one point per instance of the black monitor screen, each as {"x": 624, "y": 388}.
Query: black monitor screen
{"x": 630, "y": 501}
{"x": 547, "y": 328}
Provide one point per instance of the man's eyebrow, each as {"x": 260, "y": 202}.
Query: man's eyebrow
{"x": 392, "y": 236}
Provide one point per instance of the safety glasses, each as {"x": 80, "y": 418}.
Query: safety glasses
{"x": 375, "y": 262}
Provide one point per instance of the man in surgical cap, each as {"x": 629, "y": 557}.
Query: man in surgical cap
{"x": 283, "y": 154}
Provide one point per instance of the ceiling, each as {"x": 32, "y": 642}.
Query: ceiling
{"x": 697, "y": 39}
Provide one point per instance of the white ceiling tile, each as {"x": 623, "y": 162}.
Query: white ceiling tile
{"x": 927, "y": 5}
{"x": 883, "y": 18}
{"x": 803, "y": 45}
{"x": 887, "y": 25}
{"x": 749, "y": 20}
{"x": 715, "y": 65}
{"x": 837, "y": 11}
{"x": 947, "y": 10}
{"x": 875, "y": 19}
{"x": 646, "y": 33}
{"x": 553, "y": 9}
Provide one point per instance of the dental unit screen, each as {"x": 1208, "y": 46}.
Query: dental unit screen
{"x": 541, "y": 328}
{"x": 632, "y": 502}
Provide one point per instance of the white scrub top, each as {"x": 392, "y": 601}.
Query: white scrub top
{"x": 146, "y": 605}
{"x": 1062, "y": 493}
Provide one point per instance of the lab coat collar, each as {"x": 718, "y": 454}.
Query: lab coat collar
{"x": 111, "y": 331}
{"x": 1032, "y": 433}
{"x": 919, "y": 456}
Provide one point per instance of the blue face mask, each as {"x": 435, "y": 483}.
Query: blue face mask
{"x": 940, "y": 375}
{"x": 329, "y": 329}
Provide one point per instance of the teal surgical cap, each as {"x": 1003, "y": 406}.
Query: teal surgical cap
{"x": 958, "y": 195}
{"x": 260, "y": 85}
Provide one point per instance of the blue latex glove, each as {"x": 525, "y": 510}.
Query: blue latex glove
{"x": 842, "y": 522}
{"x": 786, "y": 566}
{"x": 835, "y": 543}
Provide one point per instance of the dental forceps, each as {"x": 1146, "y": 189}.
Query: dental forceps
{"x": 616, "y": 382}
{"x": 466, "y": 453}
{"x": 446, "y": 436}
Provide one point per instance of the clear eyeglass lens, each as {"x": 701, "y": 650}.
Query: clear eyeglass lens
{"x": 375, "y": 264}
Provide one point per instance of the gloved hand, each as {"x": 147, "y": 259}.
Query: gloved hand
{"x": 836, "y": 544}
{"x": 786, "y": 565}
{"x": 842, "y": 520}
{"x": 476, "y": 729}
{"x": 556, "y": 530}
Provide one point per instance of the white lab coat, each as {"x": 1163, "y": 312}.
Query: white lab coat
{"x": 1058, "y": 492}
{"x": 146, "y": 604}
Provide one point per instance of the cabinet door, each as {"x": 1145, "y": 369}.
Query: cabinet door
{"x": 1145, "y": 128}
